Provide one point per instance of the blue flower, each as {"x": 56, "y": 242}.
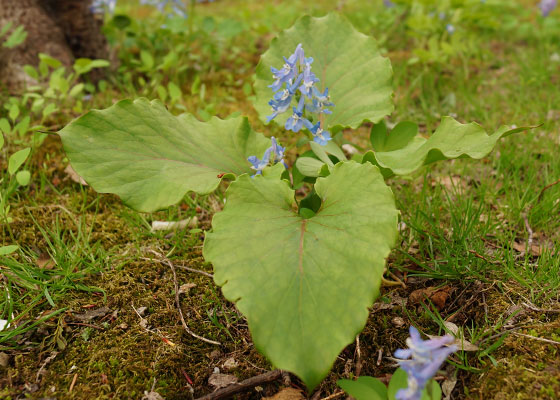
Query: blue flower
{"x": 295, "y": 122}
{"x": 278, "y": 152}
{"x": 309, "y": 80}
{"x": 100, "y": 6}
{"x": 259, "y": 165}
{"x": 288, "y": 71}
{"x": 319, "y": 102}
{"x": 319, "y": 135}
{"x": 281, "y": 100}
{"x": 296, "y": 74}
{"x": 388, "y": 3}
{"x": 547, "y": 6}
{"x": 275, "y": 151}
{"x": 421, "y": 361}
{"x": 450, "y": 29}
{"x": 177, "y": 6}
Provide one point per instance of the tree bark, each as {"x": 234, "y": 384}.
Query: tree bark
{"x": 63, "y": 29}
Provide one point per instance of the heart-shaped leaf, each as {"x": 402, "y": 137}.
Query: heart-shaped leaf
{"x": 364, "y": 388}
{"x": 150, "y": 158}
{"x": 345, "y": 60}
{"x": 296, "y": 279}
{"x": 450, "y": 140}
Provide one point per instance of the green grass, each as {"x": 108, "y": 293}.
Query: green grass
{"x": 462, "y": 222}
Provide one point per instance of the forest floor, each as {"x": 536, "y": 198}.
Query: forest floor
{"x": 94, "y": 288}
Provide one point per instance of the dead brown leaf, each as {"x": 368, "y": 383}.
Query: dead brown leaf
{"x": 45, "y": 261}
{"x": 184, "y": 289}
{"x": 394, "y": 301}
{"x": 92, "y": 314}
{"x": 438, "y": 296}
{"x": 450, "y": 182}
{"x": 536, "y": 249}
{"x": 74, "y": 176}
{"x": 287, "y": 394}
{"x": 219, "y": 380}
{"x": 230, "y": 363}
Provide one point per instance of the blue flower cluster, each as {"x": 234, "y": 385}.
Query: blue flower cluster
{"x": 101, "y": 6}
{"x": 178, "y": 6}
{"x": 274, "y": 154}
{"x": 421, "y": 361}
{"x": 547, "y": 6}
{"x": 295, "y": 81}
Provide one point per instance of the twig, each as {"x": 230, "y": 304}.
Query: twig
{"x": 247, "y": 384}
{"x": 198, "y": 271}
{"x": 73, "y": 382}
{"x": 174, "y": 225}
{"x": 529, "y": 244}
{"x": 483, "y": 258}
{"x": 497, "y": 335}
{"x": 178, "y": 303}
{"x": 45, "y": 363}
{"x": 537, "y": 338}
{"x": 358, "y": 357}
{"x": 532, "y": 307}
{"x": 544, "y": 189}
{"x": 334, "y": 395}
{"x": 525, "y": 218}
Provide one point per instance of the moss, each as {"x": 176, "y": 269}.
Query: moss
{"x": 527, "y": 368}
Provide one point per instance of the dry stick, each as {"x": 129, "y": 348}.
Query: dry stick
{"x": 358, "y": 357}
{"x": 247, "y": 384}
{"x": 532, "y": 307}
{"x": 537, "y": 338}
{"x": 527, "y": 226}
{"x": 73, "y": 382}
{"x": 198, "y": 271}
{"x": 334, "y": 395}
{"x": 209, "y": 275}
{"x": 546, "y": 188}
{"x": 529, "y": 244}
{"x": 178, "y": 303}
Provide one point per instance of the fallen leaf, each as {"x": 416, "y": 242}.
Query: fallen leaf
{"x": 438, "y": 296}
{"x": 447, "y": 387}
{"x": 4, "y": 360}
{"x": 450, "y": 326}
{"x": 4, "y": 324}
{"x": 44, "y": 261}
{"x": 152, "y": 396}
{"x": 536, "y": 250}
{"x": 460, "y": 341}
{"x": 394, "y": 301}
{"x": 186, "y": 287}
{"x": 91, "y": 314}
{"x": 219, "y": 380}
{"x": 450, "y": 182}
{"x": 174, "y": 225}
{"x": 74, "y": 176}
{"x": 286, "y": 394}
{"x": 230, "y": 363}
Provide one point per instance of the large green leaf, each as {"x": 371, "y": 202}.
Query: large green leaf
{"x": 364, "y": 388}
{"x": 405, "y": 153}
{"x": 150, "y": 158}
{"x": 346, "y": 61}
{"x": 304, "y": 285}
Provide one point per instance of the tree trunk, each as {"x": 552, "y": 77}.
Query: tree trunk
{"x": 63, "y": 29}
